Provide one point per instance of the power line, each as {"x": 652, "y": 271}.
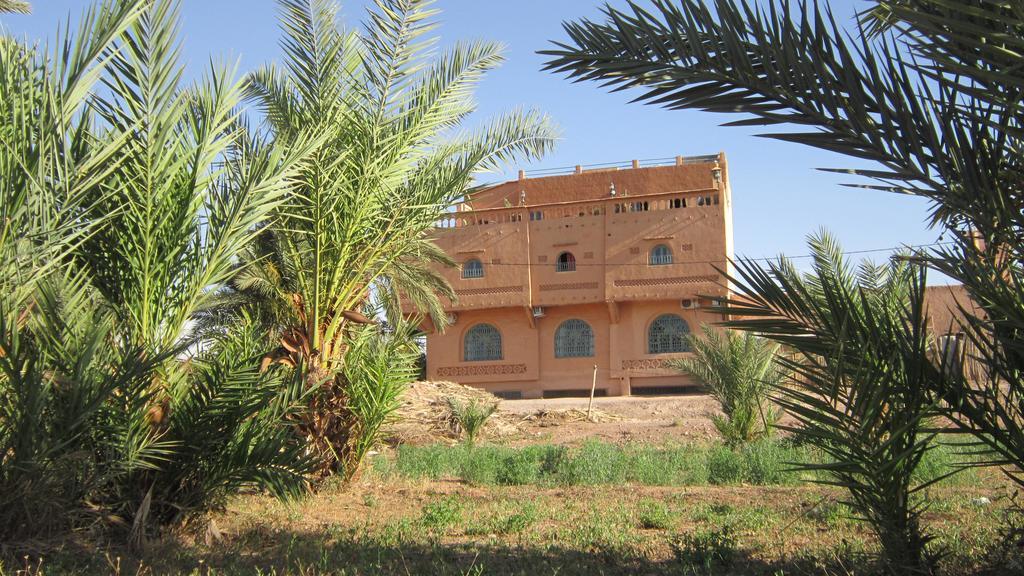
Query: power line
{"x": 718, "y": 261}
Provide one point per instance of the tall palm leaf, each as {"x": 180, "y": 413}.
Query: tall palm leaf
{"x": 930, "y": 90}
{"x": 191, "y": 189}
{"x": 395, "y": 158}
{"x": 15, "y": 6}
{"x": 858, "y": 385}
{"x": 56, "y": 364}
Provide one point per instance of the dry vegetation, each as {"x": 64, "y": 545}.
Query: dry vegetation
{"x": 682, "y": 505}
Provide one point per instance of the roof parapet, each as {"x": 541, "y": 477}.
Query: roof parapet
{"x": 622, "y": 165}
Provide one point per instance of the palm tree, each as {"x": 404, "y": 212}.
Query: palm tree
{"x": 189, "y": 191}
{"x": 394, "y": 158}
{"x": 740, "y": 372}
{"x": 858, "y": 380}
{"x": 122, "y": 210}
{"x": 15, "y": 6}
{"x": 55, "y": 361}
{"x": 930, "y": 91}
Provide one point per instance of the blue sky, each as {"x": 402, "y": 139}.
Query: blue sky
{"x": 778, "y": 195}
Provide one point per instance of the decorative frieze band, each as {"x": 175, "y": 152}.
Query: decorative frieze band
{"x": 569, "y": 286}
{"x": 495, "y": 290}
{"x": 664, "y": 281}
{"x": 645, "y": 364}
{"x": 481, "y": 370}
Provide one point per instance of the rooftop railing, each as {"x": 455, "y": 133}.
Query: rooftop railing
{"x": 625, "y": 164}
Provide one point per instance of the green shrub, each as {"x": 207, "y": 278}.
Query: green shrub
{"x": 440, "y": 515}
{"x": 652, "y": 514}
{"x": 434, "y": 461}
{"x": 674, "y": 466}
{"x": 519, "y": 467}
{"x": 515, "y": 521}
{"x": 946, "y": 460}
{"x": 766, "y": 462}
{"x": 483, "y": 465}
{"x": 769, "y": 463}
{"x": 594, "y": 463}
{"x": 725, "y": 466}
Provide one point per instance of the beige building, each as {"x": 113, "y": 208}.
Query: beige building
{"x": 604, "y": 266}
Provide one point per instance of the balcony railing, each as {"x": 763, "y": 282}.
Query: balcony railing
{"x": 700, "y": 199}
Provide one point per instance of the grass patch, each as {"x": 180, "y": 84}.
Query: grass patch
{"x": 510, "y": 518}
{"x": 705, "y": 551}
{"x": 653, "y": 515}
{"x": 440, "y": 515}
{"x": 598, "y": 463}
{"x": 764, "y": 463}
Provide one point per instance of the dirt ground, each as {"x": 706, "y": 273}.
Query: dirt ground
{"x": 652, "y": 419}
{"x": 427, "y": 416}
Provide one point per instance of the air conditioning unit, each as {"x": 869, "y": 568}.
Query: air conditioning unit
{"x": 453, "y": 317}
{"x": 538, "y": 311}
{"x": 716, "y": 303}
{"x": 689, "y": 303}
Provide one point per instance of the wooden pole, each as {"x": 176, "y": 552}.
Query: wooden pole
{"x": 593, "y": 386}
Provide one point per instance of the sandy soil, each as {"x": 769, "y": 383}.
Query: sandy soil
{"x": 427, "y": 417}
{"x": 653, "y": 419}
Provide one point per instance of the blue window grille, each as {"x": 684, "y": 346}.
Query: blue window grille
{"x": 482, "y": 342}
{"x": 668, "y": 333}
{"x": 566, "y": 262}
{"x": 473, "y": 269}
{"x": 574, "y": 339}
{"x": 661, "y": 255}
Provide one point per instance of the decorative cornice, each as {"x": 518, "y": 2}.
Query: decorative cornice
{"x": 667, "y": 281}
{"x": 569, "y": 286}
{"x": 494, "y": 290}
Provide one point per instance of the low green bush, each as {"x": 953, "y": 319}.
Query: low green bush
{"x": 519, "y": 467}
{"x": 771, "y": 463}
{"x": 766, "y": 463}
{"x": 725, "y": 466}
{"x": 433, "y": 461}
{"x": 440, "y": 515}
{"x": 653, "y": 515}
{"x": 942, "y": 459}
{"x": 594, "y": 463}
{"x": 479, "y": 466}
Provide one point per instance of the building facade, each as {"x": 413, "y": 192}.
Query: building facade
{"x": 608, "y": 267}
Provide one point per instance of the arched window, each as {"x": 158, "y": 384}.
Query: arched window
{"x": 668, "y": 333}
{"x": 660, "y": 255}
{"x": 482, "y": 342}
{"x": 574, "y": 339}
{"x": 566, "y": 262}
{"x": 472, "y": 269}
